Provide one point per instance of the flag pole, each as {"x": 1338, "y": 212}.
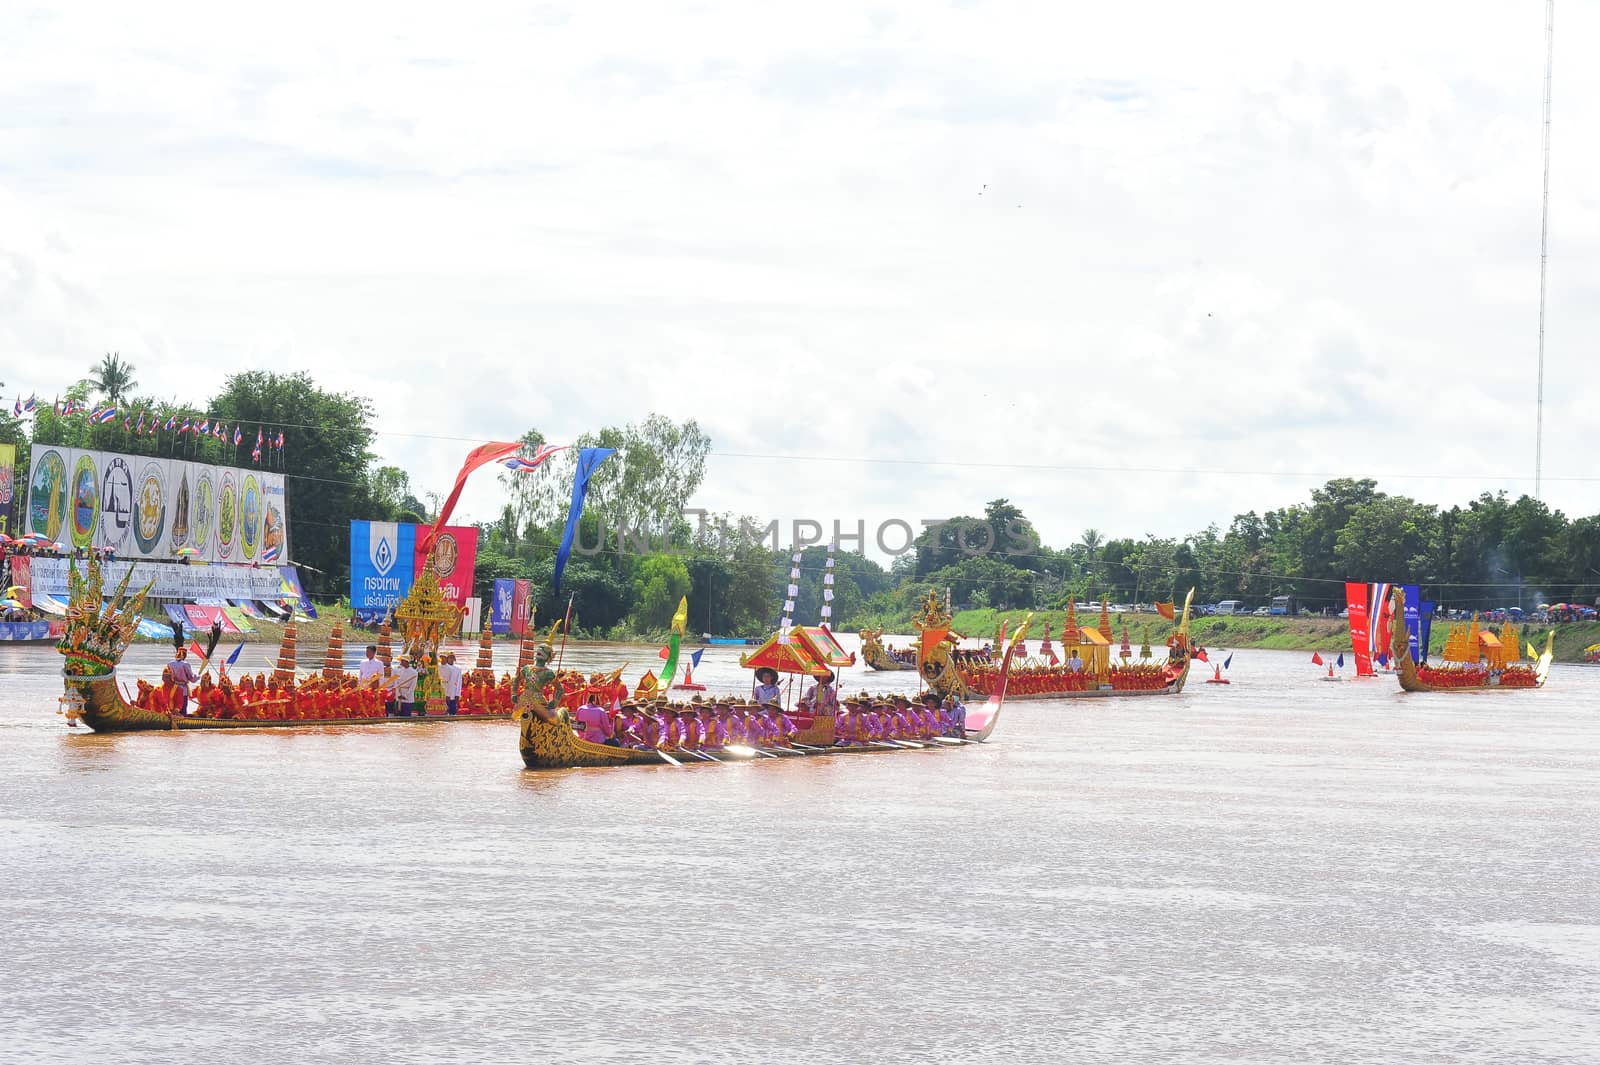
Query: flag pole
{"x": 564, "y": 626}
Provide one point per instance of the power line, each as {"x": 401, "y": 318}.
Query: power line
{"x": 1544, "y": 240}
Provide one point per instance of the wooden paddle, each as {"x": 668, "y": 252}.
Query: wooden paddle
{"x": 668, "y": 758}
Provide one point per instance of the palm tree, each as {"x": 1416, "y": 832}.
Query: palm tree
{"x": 1090, "y": 542}
{"x": 114, "y": 378}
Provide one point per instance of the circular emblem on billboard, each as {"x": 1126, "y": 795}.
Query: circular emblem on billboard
{"x": 227, "y": 514}
{"x": 149, "y": 507}
{"x": 249, "y": 516}
{"x": 180, "y": 510}
{"x": 446, "y": 553}
{"x": 204, "y": 511}
{"x": 116, "y": 504}
{"x": 85, "y": 510}
{"x": 272, "y": 534}
{"x": 47, "y": 495}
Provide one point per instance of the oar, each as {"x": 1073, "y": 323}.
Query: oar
{"x": 669, "y": 759}
{"x": 705, "y": 756}
{"x": 739, "y": 748}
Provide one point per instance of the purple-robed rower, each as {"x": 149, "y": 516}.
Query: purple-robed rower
{"x": 596, "y": 723}
{"x": 183, "y": 675}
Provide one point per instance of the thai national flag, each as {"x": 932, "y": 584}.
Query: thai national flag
{"x": 188, "y": 425}
{"x": 256, "y": 452}
{"x": 103, "y": 417}
{"x": 56, "y": 410}
{"x": 17, "y": 410}
{"x": 205, "y": 427}
{"x": 141, "y": 421}
{"x": 172, "y": 423}
{"x": 519, "y": 464}
{"x": 270, "y": 554}
{"x": 280, "y": 440}
{"x": 238, "y": 435}
{"x": 31, "y": 405}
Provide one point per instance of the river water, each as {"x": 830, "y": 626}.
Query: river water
{"x": 1280, "y": 870}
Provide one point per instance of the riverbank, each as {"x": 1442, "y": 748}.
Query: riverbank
{"x": 1250, "y": 632}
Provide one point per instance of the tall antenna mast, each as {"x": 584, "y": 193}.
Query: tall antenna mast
{"x": 1544, "y": 242}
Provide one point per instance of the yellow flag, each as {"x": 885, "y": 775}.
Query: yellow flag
{"x": 1531, "y": 652}
{"x": 681, "y": 619}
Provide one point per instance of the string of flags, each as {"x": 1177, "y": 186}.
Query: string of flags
{"x": 790, "y": 593}
{"x": 827, "y": 585}
{"x": 270, "y": 445}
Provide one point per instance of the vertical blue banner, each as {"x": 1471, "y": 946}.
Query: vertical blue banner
{"x": 382, "y": 563}
{"x": 1413, "y": 621}
{"x": 500, "y": 609}
{"x": 1425, "y": 628}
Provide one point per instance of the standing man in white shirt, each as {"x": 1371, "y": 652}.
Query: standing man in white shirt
{"x": 370, "y": 667}
{"x": 450, "y": 680}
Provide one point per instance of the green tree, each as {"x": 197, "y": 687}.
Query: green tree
{"x": 113, "y": 378}
{"x": 1388, "y": 538}
{"x": 659, "y": 583}
{"x": 326, "y": 460}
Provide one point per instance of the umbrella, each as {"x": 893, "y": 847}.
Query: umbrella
{"x": 11, "y": 604}
{"x": 4, "y": 539}
{"x": 187, "y": 552}
{"x": 1542, "y": 606}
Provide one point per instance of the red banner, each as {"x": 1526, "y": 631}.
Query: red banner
{"x": 1355, "y": 595}
{"x": 22, "y": 576}
{"x": 454, "y": 556}
{"x": 521, "y": 605}
{"x": 201, "y": 618}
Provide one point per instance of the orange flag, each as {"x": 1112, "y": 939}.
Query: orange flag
{"x": 1165, "y": 610}
{"x": 931, "y": 639}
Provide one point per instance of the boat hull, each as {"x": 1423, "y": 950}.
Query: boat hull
{"x": 553, "y": 745}
{"x": 104, "y": 709}
{"x": 1412, "y": 680}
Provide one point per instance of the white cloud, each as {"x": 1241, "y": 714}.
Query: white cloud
{"x": 1264, "y": 243}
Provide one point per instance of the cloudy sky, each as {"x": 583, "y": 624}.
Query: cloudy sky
{"x": 1053, "y": 252}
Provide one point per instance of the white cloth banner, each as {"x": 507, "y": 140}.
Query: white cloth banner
{"x": 172, "y": 580}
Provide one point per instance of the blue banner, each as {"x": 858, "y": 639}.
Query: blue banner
{"x": 500, "y": 609}
{"x": 1425, "y": 627}
{"x": 382, "y": 563}
{"x": 1413, "y": 621}
{"x": 589, "y": 460}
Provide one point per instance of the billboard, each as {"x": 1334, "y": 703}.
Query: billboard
{"x": 382, "y": 564}
{"x": 454, "y": 558}
{"x": 8, "y": 475}
{"x": 157, "y": 508}
{"x": 386, "y": 559}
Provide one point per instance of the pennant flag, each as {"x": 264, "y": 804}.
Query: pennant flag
{"x": 589, "y": 460}
{"x": 1227, "y": 662}
{"x": 694, "y": 659}
{"x": 520, "y": 464}
{"x": 235, "y": 656}
{"x": 1340, "y": 662}
{"x": 1166, "y": 611}
{"x": 1316, "y": 658}
{"x": 198, "y": 651}
{"x": 662, "y": 654}
{"x": 1200, "y": 655}
{"x": 1532, "y": 654}
{"x": 679, "y": 621}
{"x": 476, "y": 457}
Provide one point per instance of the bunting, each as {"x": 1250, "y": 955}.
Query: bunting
{"x": 827, "y": 585}
{"x": 787, "y": 621}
